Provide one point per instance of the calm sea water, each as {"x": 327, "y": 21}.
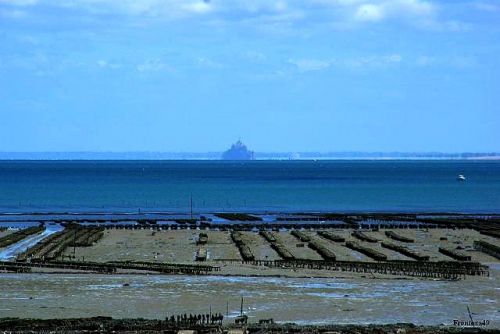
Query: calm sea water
{"x": 257, "y": 185}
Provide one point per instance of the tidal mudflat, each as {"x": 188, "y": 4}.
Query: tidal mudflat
{"x": 297, "y": 271}
{"x": 300, "y": 300}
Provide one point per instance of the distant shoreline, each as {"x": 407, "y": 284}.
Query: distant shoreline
{"x": 258, "y": 156}
{"x": 254, "y": 160}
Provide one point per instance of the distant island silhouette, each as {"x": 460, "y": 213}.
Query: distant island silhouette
{"x": 238, "y": 151}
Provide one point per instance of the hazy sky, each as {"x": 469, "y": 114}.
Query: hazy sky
{"x": 302, "y": 75}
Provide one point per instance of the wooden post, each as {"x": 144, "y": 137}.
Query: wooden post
{"x": 74, "y": 244}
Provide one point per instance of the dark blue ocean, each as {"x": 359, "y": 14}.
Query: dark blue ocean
{"x": 127, "y": 186}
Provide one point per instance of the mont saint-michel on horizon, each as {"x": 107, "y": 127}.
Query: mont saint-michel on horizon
{"x": 238, "y": 151}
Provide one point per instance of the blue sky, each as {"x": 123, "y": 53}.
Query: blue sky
{"x": 190, "y": 75}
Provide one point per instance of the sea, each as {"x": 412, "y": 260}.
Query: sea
{"x": 258, "y": 186}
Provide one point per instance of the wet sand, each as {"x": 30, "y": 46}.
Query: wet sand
{"x": 293, "y": 245}
{"x": 3, "y": 233}
{"x": 259, "y": 246}
{"x": 301, "y": 300}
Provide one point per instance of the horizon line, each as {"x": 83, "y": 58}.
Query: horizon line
{"x": 259, "y": 156}
{"x": 258, "y": 152}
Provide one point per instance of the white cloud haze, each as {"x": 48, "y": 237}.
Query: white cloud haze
{"x": 347, "y": 10}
